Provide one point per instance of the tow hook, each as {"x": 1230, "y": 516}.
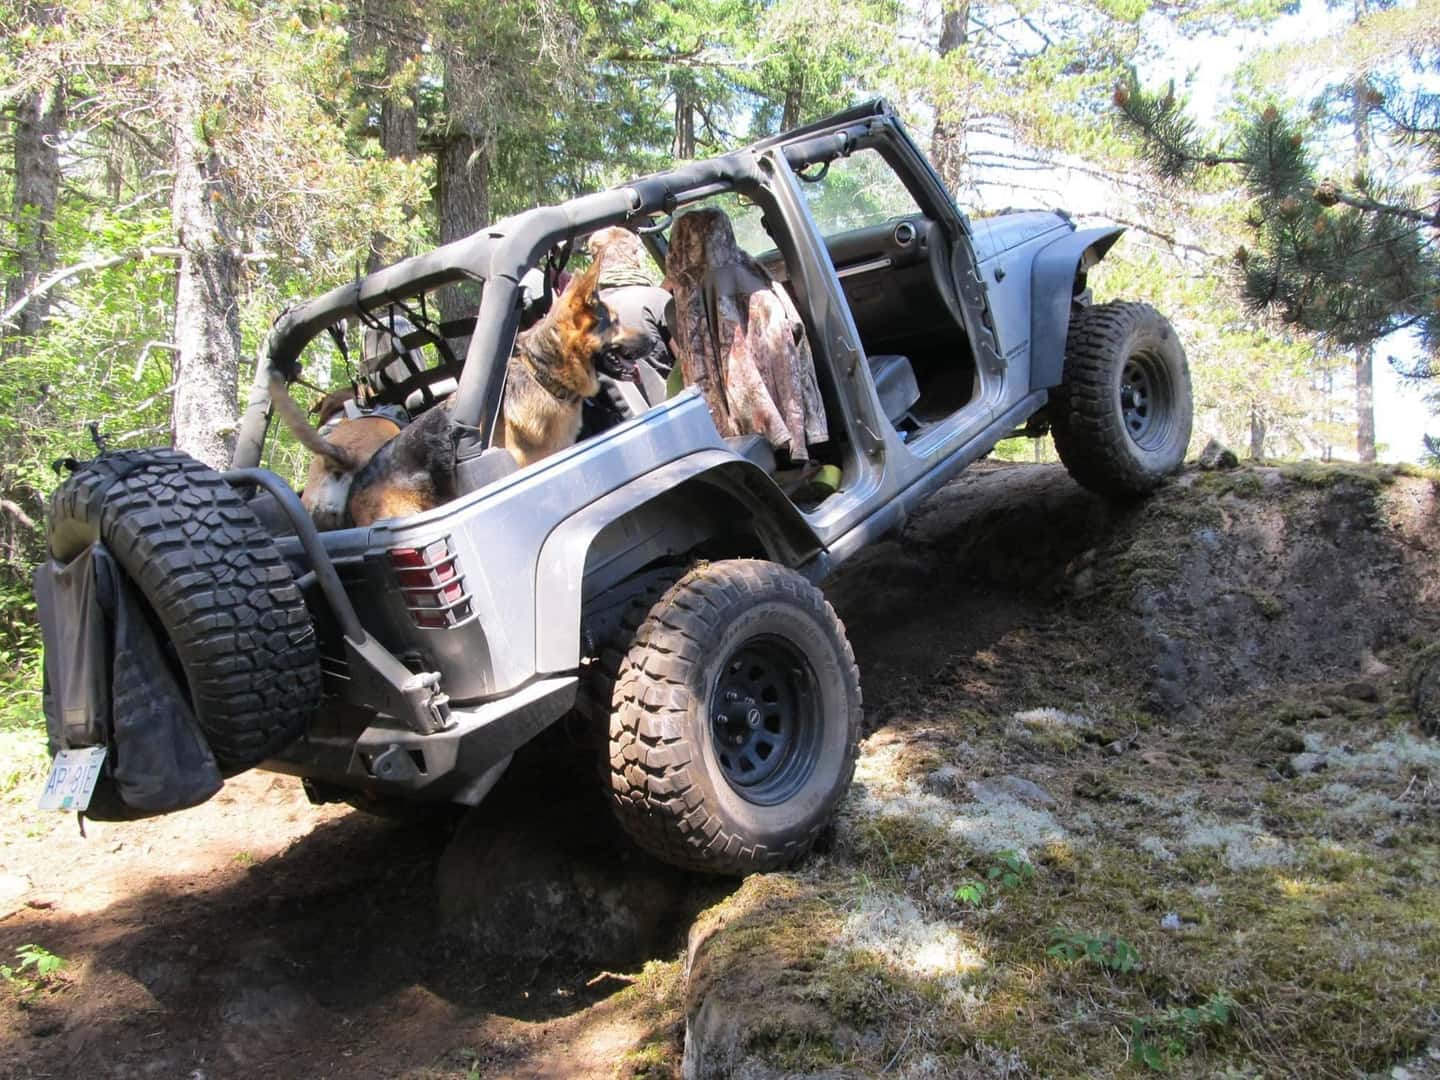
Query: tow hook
{"x": 423, "y": 693}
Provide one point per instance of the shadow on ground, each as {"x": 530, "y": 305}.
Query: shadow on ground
{"x": 337, "y": 956}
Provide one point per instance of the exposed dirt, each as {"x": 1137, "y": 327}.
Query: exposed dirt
{"x": 1154, "y": 673}
{"x": 259, "y": 935}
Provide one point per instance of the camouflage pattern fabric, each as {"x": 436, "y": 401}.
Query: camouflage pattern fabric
{"x": 739, "y": 338}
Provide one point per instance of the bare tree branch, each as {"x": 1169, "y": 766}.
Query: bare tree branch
{"x": 59, "y": 277}
{"x": 19, "y": 515}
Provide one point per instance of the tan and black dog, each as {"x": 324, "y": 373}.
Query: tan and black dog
{"x": 551, "y": 372}
{"x": 338, "y": 457}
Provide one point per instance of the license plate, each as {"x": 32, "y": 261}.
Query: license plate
{"x": 72, "y": 779}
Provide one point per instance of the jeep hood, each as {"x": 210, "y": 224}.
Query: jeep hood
{"x": 1000, "y": 233}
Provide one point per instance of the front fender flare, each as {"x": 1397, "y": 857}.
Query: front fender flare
{"x": 667, "y": 511}
{"x": 1052, "y": 289}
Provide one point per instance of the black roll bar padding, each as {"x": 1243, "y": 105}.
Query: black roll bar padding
{"x": 320, "y": 564}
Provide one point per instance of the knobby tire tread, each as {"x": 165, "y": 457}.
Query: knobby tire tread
{"x": 1089, "y": 435}
{"x": 653, "y": 794}
{"x": 215, "y": 580}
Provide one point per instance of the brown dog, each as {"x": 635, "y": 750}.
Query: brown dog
{"x": 554, "y": 367}
{"x": 551, "y": 372}
{"x": 337, "y": 458}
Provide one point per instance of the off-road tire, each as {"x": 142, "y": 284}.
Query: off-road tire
{"x": 669, "y": 790}
{"x": 1106, "y": 443}
{"x": 215, "y": 583}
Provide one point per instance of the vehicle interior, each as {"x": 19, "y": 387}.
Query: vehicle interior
{"x": 894, "y": 265}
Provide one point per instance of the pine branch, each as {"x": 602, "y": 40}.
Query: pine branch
{"x": 1167, "y": 134}
{"x": 1328, "y": 193}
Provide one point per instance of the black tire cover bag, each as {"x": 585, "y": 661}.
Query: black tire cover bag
{"x": 108, "y": 683}
{"x": 206, "y": 575}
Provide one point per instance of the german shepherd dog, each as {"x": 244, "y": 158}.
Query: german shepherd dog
{"x": 370, "y": 474}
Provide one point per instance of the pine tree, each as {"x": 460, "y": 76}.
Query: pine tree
{"x": 1339, "y": 247}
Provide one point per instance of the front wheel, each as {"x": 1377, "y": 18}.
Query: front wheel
{"x": 1121, "y": 418}
{"x": 735, "y": 720}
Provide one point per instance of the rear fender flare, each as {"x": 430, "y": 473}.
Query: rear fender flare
{"x": 1053, "y": 277}
{"x": 666, "y": 512}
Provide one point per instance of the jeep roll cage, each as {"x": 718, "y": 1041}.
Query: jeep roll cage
{"x": 498, "y": 256}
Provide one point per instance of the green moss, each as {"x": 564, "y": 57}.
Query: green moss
{"x": 1268, "y": 604}
{"x": 650, "y": 1061}
{"x": 1292, "y": 711}
{"x": 1317, "y": 474}
{"x": 795, "y": 1051}
{"x": 1183, "y": 509}
{"x": 862, "y": 991}
{"x": 1154, "y": 556}
{"x": 1245, "y": 483}
{"x": 890, "y": 847}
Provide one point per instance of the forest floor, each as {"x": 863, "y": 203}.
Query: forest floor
{"x": 1140, "y": 789}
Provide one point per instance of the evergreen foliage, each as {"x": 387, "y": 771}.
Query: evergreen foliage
{"x": 1335, "y": 248}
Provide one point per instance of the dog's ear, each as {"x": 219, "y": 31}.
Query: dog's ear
{"x": 331, "y": 404}
{"x": 582, "y": 290}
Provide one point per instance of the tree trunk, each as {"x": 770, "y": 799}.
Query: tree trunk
{"x": 462, "y": 173}
{"x": 463, "y": 168}
{"x": 794, "y": 99}
{"x": 1257, "y": 434}
{"x": 682, "y": 146}
{"x": 207, "y": 314}
{"x": 389, "y": 28}
{"x": 464, "y": 186}
{"x": 947, "y": 138}
{"x": 38, "y": 117}
{"x": 1365, "y": 403}
{"x": 1364, "y": 354}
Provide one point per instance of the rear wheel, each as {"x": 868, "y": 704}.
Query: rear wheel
{"x": 735, "y": 721}
{"x": 216, "y": 585}
{"x": 1121, "y": 418}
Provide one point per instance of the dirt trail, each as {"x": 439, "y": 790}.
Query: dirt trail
{"x": 260, "y": 936}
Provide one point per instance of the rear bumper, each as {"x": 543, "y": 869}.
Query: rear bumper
{"x": 458, "y": 764}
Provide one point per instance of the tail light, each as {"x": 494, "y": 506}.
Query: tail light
{"x": 432, "y": 585}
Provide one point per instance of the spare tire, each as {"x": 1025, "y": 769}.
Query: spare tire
{"x": 216, "y": 586}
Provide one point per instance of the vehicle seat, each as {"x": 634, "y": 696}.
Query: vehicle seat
{"x": 896, "y": 385}
{"x": 738, "y": 338}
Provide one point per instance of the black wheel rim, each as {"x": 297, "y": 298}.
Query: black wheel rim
{"x": 764, "y": 720}
{"x": 1147, "y": 400}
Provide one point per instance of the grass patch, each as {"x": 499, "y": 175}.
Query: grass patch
{"x": 23, "y": 761}
{"x": 23, "y": 752}
{"x": 1102, "y": 960}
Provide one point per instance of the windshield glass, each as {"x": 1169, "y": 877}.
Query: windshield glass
{"x": 856, "y": 192}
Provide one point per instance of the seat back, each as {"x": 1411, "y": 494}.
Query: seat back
{"x": 896, "y": 385}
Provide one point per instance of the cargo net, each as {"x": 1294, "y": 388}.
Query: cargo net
{"x": 411, "y": 354}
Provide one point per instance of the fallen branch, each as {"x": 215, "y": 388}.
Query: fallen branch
{"x": 63, "y": 275}
{"x": 615, "y": 975}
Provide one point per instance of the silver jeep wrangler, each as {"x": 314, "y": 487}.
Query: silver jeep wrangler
{"x": 656, "y": 579}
